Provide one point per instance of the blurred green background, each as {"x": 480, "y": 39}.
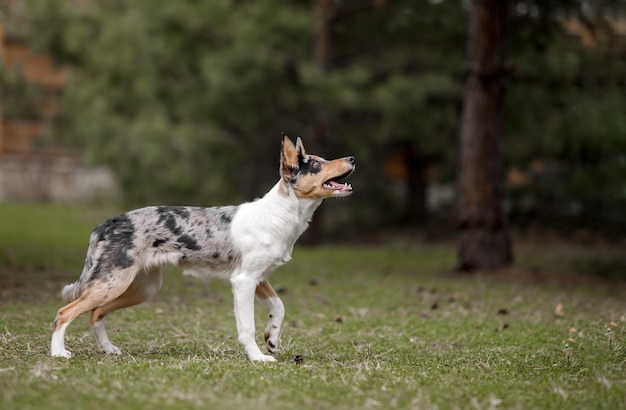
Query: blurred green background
{"x": 184, "y": 102}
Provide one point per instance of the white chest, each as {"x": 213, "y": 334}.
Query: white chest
{"x": 266, "y": 230}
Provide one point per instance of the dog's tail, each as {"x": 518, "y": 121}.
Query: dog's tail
{"x": 73, "y": 291}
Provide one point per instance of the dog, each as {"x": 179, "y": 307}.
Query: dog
{"x": 243, "y": 244}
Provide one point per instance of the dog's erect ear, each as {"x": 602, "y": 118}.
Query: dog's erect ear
{"x": 288, "y": 158}
{"x": 300, "y": 148}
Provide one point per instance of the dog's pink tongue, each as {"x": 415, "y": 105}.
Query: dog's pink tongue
{"x": 337, "y": 185}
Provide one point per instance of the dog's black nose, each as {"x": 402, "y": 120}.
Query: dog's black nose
{"x": 350, "y": 159}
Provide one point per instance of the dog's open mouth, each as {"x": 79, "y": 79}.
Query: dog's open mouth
{"x": 333, "y": 184}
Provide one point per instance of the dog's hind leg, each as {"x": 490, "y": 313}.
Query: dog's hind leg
{"x": 86, "y": 302}
{"x": 145, "y": 285}
{"x": 266, "y": 294}
{"x": 97, "y": 293}
{"x": 64, "y": 317}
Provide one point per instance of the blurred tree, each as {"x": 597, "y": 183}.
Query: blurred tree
{"x": 393, "y": 95}
{"x": 186, "y": 94}
{"x": 484, "y": 239}
{"x": 192, "y": 96}
{"x": 180, "y": 93}
{"x": 564, "y": 128}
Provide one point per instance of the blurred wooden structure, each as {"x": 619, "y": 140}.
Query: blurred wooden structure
{"x": 30, "y": 169}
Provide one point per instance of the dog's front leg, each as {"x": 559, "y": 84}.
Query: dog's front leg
{"x": 243, "y": 291}
{"x": 274, "y": 305}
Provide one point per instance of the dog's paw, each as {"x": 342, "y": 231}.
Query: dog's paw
{"x": 263, "y": 358}
{"x": 111, "y": 349}
{"x": 272, "y": 341}
{"x": 61, "y": 353}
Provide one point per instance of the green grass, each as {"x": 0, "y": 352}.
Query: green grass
{"x": 377, "y": 328}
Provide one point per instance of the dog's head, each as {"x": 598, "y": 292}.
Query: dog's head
{"x": 313, "y": 177}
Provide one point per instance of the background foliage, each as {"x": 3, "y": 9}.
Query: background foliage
{"x": 192, "y": 96}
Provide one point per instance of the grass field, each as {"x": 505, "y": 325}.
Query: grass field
{"x": 374, "y": 328}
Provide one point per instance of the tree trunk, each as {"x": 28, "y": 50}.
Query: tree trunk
{"x": 484, "y": 240}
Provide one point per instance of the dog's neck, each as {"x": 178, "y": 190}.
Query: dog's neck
{"x": 290, "y": 212}
{"x": 285, "y": 194}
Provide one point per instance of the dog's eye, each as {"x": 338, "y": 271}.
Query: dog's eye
{"x": 315, "y": 164}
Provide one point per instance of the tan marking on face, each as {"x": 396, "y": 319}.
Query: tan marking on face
{"x": 265, "y": 291}
{"x": 311, "y": 186}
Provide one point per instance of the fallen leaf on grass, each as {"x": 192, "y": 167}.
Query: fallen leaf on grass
{"x": 298, "y": 359}
{"x": 558, "y": 310}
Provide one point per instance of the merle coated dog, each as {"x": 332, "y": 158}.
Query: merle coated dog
{"x": 243, "y": 244}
